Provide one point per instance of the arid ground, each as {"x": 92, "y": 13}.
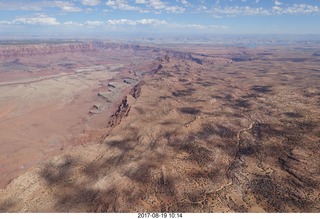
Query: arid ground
{"x": 105, "y": 127}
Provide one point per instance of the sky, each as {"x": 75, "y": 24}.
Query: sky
{"x": 155, "y": 17}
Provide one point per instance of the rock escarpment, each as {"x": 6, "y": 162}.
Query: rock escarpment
{"x": 124, "y": 107}
{"x": 122, "y": 111}
{"x": 16, "y": 50}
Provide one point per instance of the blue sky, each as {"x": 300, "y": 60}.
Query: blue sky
{"x": 105, "y": 17}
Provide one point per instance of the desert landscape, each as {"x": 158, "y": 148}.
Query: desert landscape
{"x": 102, "y": 126}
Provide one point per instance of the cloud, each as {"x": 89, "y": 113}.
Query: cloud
{"x": 236, "y": 10}
{"x": 297, "y": 9}
{"x": 184, "y": 2}
{"x": 121, "y": 22}
{"x": 72, "y": 24}
{"x": 20, "y": 5}
{"x": 67, "y": 6}
{"x": 165, "y": 25}
{"x": 40, "y": 20}
{"x": 193, "y": 26}
{"x": 277, "y": 9}
{"x": 175, "y": 9}
{"x": 93, "y": 23}
{"x": 150, "y": 6}
{"x": 159, "y": 6}
{"x": 199, "y": 26}
{"x": 85, "y": 24}
{"x": 5, "y": 22}
{"x": 276, "y": 2}
{"x": 136, "y": 22}
{"x": 121, "y": 4}
{"x": 140, "y": 1}
{"x": 25, "y": 5}
{"x": 90, "y": 2}
{"x": 151, "y": 22}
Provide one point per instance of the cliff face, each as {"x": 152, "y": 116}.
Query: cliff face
{"x": 43, "y": 49}
{"x": 47, "y": 48}
{"x": 21, "y": 50}
{"x": 125, "y": 105}
{"x": 122, "y": 111}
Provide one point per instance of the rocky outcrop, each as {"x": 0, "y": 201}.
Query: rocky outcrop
{"x": 198, "y": 58}
{"x": 160, "y": 66}
{"x": 122, "y": 111}
{"x": 182, "y": 56}
{"x": 136, "y": 90}
{"x": 241, "y": 59}
{"x": 124, "y": 107}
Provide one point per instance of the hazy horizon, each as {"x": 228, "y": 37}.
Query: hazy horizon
{"x": 85, "y": 18}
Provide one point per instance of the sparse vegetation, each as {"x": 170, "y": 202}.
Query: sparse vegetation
{"x": 199, "y": 134}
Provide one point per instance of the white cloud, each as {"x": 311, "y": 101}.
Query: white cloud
{"x": 232, "y": 11}
{"x": 85, "y": 24}
{"x": 199, "y": 27}
{"x": 218, "y": 26}
{"x": 276, "y": 2}
{"x": 121, "y": 22}
{"x": 25, "y": 5}
{"x": 121, "y": 4}
{"x": 144, "y": 11}
{"x": 72, "y": 24}
{"x": 136, "y": 22}
{"x": 276, "y": 8}
{"x": 236, "y": 10}
{"x": 184, "y": 2}
{"x": 296, "y": 9}
{"x": 40, "y": 20}
{"x": 165, "y": 25}
{"x": 140, "y": 2}
{"x": 5, "y": 22}
{"x": 195, "y": 26}
{"x": 93, "y": 23}
{"x": 157, "y": 4}
{"x": 90, "y": 2}
{"x": 69, "y": 23}
{"x": 175, "y": 9}
{"x": 67, "y": 6}
{"x": 151, "y": 22}
{"x": 301, "y": 9}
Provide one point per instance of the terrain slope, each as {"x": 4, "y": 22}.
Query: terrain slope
{"x": 55, "y": 96}
{"x": 233, "y": 130}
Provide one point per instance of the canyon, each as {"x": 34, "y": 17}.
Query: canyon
{"x": 98, "y": 126}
